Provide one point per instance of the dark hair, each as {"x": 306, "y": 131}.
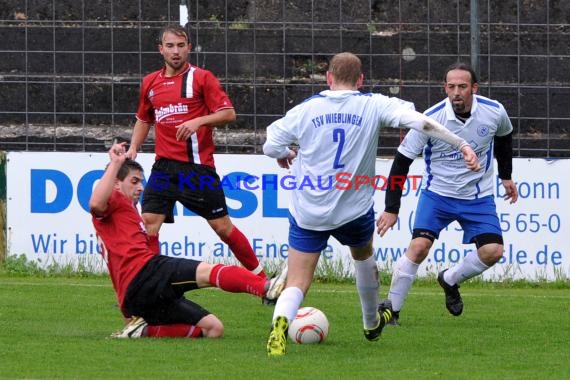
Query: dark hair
{"x": 174, "y": 29}
{"x": 461, "y": 66}
{"x": 128, "y": 166}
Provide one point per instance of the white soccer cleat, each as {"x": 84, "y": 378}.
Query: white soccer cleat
{"x": 132, "y": 330}
{"x": 276, "y": 286}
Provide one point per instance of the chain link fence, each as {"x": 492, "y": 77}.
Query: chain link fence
{"x": 71, "y": 69}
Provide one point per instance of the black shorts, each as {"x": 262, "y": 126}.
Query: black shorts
{"x": 157, "y": 292}
{"x": 196, "y": 187}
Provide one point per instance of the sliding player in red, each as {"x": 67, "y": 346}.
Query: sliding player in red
{"x": 148, "y": 285}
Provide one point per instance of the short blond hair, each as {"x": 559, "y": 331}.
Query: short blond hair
{"x": 346, "y": 68}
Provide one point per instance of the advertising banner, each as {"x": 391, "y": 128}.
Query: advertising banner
{"x": 48, "y": 216}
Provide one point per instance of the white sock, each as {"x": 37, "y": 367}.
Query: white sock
{"x": 366, "y": 273}
{"x": 288, "y": 303}
{"x": 470, "y": 267}
{"x": 257, "y": 270}
{"x": 403, "y": 276}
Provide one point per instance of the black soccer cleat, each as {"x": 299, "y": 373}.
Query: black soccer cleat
{"x": 394, "y": 321}
{"x": 453, "y": 300}
{"x": 384, "y": 315}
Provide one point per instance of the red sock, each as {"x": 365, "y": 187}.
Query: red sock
{"x": 241, "y": 248}
{"x": 237, "y": 280}
{"x": 154, "y": 244}
{"x": 174, "y": 331}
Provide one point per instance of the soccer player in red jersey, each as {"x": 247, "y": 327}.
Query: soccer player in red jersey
{"x": 185, "y": 103}
{"x": 148, "y": 285}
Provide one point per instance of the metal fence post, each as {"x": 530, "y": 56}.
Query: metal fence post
{"x": 475, "y": 40}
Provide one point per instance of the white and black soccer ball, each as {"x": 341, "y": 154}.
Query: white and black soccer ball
{"x": 309, "y": 326}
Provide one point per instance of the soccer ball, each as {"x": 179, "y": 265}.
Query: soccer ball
{"x": 309, "y": 326}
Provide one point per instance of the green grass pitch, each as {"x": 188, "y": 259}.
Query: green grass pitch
{"x": 58, "y": 328}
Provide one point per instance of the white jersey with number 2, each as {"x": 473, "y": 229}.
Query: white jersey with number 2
{"x": 337, "y": 133}
{"x": 445, "y": 172}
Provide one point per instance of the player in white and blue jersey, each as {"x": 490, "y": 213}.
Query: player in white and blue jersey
{"x": 337, "y": 134}
{"x": 449, "y": 191}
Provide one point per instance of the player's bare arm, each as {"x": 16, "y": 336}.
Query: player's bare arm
{"x": 140, "y": 132}
{"x": 189, "y": 127}
{"x": 98, "y": 202}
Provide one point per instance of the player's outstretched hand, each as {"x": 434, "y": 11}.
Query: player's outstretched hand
{"x": 470, "y": 158}
{"x": 385, "y": 222}
{"x": 286, "y": 162}
{"x": 131, "y": 153}
{"x": 511, "y": 192}
{"x": 117, "y": 152}
{"x": 186, "y": 129}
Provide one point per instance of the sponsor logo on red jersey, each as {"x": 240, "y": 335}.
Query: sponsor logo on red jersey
{"x": 169, "y": 110}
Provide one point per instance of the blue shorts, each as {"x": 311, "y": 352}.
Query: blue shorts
{"x": 475, "y": 216}
{"x": 356, "y": 233}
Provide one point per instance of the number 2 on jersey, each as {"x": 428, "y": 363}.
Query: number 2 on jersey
{"x": 338, "y": 137}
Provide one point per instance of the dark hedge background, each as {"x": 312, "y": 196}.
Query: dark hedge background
{"x": 70, "y": 70}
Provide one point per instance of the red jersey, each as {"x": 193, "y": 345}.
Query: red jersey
{"x": 123, "y": 240}
{"x": 170, "y": 101}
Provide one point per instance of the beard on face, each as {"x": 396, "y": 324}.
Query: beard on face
{"x": 458, "y": 105}
{"x": 175, "y": 65}
{"x": 459, "y": 108}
